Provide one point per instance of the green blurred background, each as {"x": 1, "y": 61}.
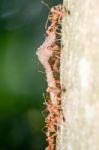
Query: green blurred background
{"x": 22, "y": 82}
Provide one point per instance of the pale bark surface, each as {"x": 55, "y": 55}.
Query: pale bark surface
{"x": 80, "y": 77}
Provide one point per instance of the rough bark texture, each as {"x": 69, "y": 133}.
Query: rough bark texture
{"x": 80, "y": 77}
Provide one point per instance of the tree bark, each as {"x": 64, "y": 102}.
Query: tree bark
{"x": 80, "y": 77}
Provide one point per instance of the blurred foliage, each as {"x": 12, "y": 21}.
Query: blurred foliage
{"x": 21, "y": 85}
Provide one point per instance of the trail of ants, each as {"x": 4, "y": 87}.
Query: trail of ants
{"x": 49, "y": 56}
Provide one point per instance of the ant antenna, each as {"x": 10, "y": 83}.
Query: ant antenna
{"x": 43, "y": 2}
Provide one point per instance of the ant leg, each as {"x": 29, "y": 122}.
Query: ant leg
{"x": 46, "y": 24}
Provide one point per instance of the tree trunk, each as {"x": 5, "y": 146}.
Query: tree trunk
{"x": 80, "y": 77}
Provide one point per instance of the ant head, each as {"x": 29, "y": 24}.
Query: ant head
{"x": 56, "y": 9}
{"x": 57, "y": 12}
{"x": 52, "y": 9}
{"x": 49, "y": 30}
